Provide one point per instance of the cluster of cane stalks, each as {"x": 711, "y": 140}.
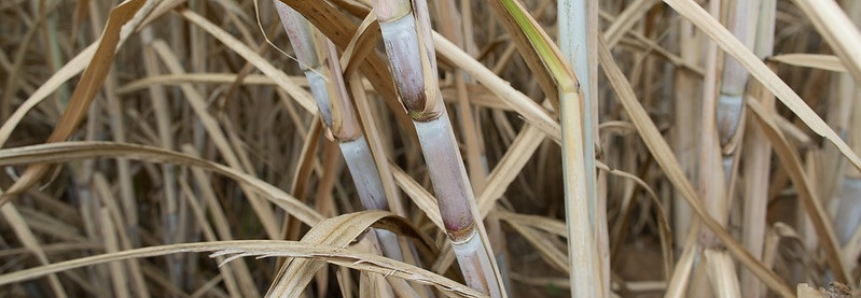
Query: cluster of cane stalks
{"x": 640, "y": 148}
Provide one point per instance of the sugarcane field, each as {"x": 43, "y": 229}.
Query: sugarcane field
{"x": 430, "y": 148}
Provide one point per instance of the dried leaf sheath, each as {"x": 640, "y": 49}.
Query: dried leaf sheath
{"x": 400, "y": 36}
{"x": 759, "y": 159}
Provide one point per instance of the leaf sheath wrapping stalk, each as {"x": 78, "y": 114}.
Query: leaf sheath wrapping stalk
{"x": 403, "y": 47}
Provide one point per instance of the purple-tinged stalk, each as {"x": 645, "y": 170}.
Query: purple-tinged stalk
{"x": 451, "y": 27}
{"x": 406, "y": 33}
{"x": 319, "y": 61}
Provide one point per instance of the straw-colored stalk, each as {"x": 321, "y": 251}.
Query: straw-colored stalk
{"x": 578, "y": 41}
{"x": 848, "y": 216}
{"x": 720, "y": 126}
{"x": 734, "y": 77}
{"x": 582, "y": 247}
{"x": 686, "y": 127}
{"x": 839, "y": 115}
{"x": 758, "y": 159}
{"x": 319, "y": 61}
{"x": 406, "y": 33}
{"x": 711, "y": 176}
{"x": 562, "y": 86}
{"x": 712, "y": 183}
{"x": 128, "y": 223}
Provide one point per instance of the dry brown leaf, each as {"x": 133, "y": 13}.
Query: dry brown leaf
{"x": 338, "y": 231}
{"x": 361, "y": 45}
{"x": 130, "y": 13}
{"x": 523, "y": 105}
{"x": 840, "y": 32}
{"x": 212, "y": 78}
{"x": 68, "y": 151}
{"x": 264, "y": 248}
{"x": 819, "y": 61}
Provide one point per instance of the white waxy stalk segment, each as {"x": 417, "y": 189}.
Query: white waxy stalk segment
{"x": 446, "y": 172}
{"x": 728, "y": 115}
{"x": 848, "y": 216}
{"x": 318, "y": 58}
{"x": 321, "y": 92}
{"x": 411, "y": 59}
{"x": 470, "y": 250}
{"x": 365, "y": 175}
{"x": 734, "y": 79}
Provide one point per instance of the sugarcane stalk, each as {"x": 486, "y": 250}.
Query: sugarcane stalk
{"x": 711, "y": 174}
{"x": 725, "y": 114}
{"x": 578, "y": 41}
{"x": 712, "y": 183}
{"x": 687, "y": 111}
{"x": 849, "y": 198}
{"x": 318, "y": 59}
{"x": 565, "y": 90}
{"x": 734, "y": 77}
{"x": 451, "y": 28}
{"x": 758, "y": 160}
{"x": 730, "y": 102}
{"x": 406, "y": 33}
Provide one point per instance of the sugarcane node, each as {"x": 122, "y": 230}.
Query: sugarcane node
{"x": 418, "y": 110}
{"x": 462, "y": 235}
{"x": 328, "y": 133}
{"x": 423, "y": 116}
{"x": 386, "y": 14}
{"x": 343, "y": 135}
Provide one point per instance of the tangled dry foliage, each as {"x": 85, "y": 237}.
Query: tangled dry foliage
{"x": 173, "y": 148}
